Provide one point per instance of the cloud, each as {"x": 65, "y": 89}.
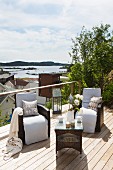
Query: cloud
{"x": 42, "y": 29}
{"x": 33, "y": 45}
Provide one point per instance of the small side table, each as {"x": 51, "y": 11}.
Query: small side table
{"x": 69, "y": 137}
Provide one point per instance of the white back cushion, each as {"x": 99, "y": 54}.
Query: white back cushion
{"x": 88, "y": 93}
{"x": 24, "y": 96}
{"x": 41, "y": 100}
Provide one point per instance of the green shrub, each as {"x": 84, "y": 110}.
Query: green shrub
{"x": 49, "y": 104}
{"x": 4, "y": 120}
{"x": 108, "y": 93}
{"x": 65, "y": 93}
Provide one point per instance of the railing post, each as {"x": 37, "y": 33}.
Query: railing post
{"x": 72, "y": 88}
{"x": 79, "y": 87}
{"x": 15, "y": 99}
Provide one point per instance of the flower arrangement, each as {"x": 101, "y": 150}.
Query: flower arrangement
{"x": 75, "y": 101}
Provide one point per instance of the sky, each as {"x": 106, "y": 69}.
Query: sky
{"x": 41, "y": 30}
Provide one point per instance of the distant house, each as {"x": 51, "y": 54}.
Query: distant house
{"x": 48, "y": 79}
{"x": 17, "y": 84}
{"x": 32, "y": 84}
{"x": 6, "y": 105}
{"x": 2, "y": 88}
{"x": 23, "y": 84}
{"x": 5, "y": 76}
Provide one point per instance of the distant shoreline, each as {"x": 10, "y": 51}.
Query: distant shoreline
{"x": 29, "y": 68}
{"x": 22, "y": 63}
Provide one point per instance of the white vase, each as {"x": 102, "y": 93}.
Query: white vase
{"x": 70, "y": 115}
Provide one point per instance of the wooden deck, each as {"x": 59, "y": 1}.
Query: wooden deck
{"x": 97, "y": 151}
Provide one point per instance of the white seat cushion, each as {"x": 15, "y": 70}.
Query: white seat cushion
{"x": 89, "y": 118}
{"x": 36, "y": 129}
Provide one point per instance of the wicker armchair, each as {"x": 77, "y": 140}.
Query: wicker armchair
{"x": 87, "y": 94}
{"x": 41, "y": 110}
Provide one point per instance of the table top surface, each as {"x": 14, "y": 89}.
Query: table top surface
{"x": 62, "y": 126}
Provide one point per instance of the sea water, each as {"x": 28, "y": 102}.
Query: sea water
{"x": 26, "y": 72}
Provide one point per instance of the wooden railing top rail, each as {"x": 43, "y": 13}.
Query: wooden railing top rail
{"x": 35, "y": 88}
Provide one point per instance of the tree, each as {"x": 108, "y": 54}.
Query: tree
{"x": 94, "y": 50}
{"x": 76, "y": 72}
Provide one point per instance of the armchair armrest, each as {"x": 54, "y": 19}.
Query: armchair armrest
{"x": 46, "y": 113}
{"x": 21, "y": 133}
{"x": 100, "y": 105}
{"x": 100, "y": 108}
{"x": 43, "y": 111}
{"x": 100, "y": 117}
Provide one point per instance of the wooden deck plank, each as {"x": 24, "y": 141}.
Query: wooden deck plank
{"x": 109, "y": 164}
{"x": 94, "y": 157}
{"x": 84, "y": 141}
{"x": 101, "y": 163}
{"x": 97, "y": 152}
{"x": 4, "y": 131}
{"x": 89, "y": 149}
{"x": 30, "y": 152}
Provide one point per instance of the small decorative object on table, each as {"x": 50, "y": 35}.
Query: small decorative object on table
{"x": 60, "y": 119}
{"x": 68, "y": 125}
{"x": 79, "y": 119}
{"x": 73, "y": 124}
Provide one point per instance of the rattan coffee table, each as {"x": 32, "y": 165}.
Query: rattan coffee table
{"x": 69, "y": 137}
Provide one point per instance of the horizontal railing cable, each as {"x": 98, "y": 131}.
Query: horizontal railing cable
{"x": 35, "y": 88}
